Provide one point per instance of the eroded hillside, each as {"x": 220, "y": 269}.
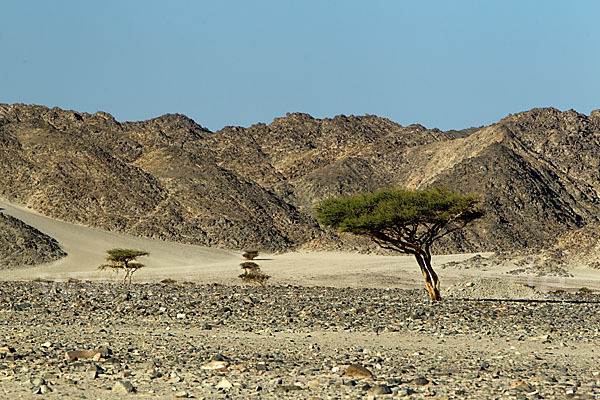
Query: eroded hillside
{"x": 170, "y": 178}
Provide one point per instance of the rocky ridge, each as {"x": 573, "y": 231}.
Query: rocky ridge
{"x": 170, "y": 178}
{"x": 21, "y": 244}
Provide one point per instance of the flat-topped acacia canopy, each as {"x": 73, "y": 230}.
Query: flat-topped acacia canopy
{"x": 407, "y": 221}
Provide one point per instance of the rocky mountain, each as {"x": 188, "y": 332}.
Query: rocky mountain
{"x": 170, "y": 178}
{"x": 21, "y": 244}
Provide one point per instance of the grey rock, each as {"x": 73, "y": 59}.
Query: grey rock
{"x": 123, "y": 386}
{"x": 380, "y": 389}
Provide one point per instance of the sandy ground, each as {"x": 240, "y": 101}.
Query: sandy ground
{"x": 86, "y": 249}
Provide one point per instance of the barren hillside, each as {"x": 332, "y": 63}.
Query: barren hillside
{"x": 170, "y": 178}
{"x": 21, "y": 244}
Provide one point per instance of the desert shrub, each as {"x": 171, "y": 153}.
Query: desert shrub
{"x": 250, "y": 254}
{"x": 123, "y": 259}
{"x": 253, "y": 274}
{"x": 256, "y": 278}
{"x": 249, "y": 266}
{"x": 168, "y": 281}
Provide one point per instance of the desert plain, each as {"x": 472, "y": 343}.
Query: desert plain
{"x": 328, "y": 325}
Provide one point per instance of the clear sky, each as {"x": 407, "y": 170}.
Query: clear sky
{"x": 446, "y": 64}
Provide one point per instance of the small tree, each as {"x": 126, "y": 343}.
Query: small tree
{"x": 250, "y": 254}
{"x": 253, "y": 274}
{"x": 123, "y": 259}
{"x": 401, "y": 220}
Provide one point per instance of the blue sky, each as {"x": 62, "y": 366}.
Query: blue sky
{"x": 446, "y": 64}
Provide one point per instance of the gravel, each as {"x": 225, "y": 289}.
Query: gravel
{"x": 493, "y": 288}
{"x": 297, "y": 342}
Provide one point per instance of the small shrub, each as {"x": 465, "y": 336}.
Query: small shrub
{"x": 253, "y": 274}
{"x": 256, "y": 278}
{"x": 250, "y": 254}
{"x": 248, "y": 266}
{"x": 123, "y": 259}
{"x": 168, "y": 281}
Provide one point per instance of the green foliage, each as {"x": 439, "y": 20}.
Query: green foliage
{"x": 400, "y": 217}
{"x": 255, "y": 277}
{"x": 253, "y": 274}
{"x": 365, "y": 212}
{"x": 403, "y": 220}
{"x": 124, "y": 255}
{"x": 123, "y": 259}
{"x": 249, "y": 265}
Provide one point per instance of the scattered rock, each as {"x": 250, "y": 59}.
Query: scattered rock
{"x": 224, "y": 384}
{"x": 321, "y": 352}
{"x": 95, "y": 354}
{"x": 122, "y": 386}
{"x": 216, "y": 365}
{"x": 420, "y": 381}
{"x": 380, "y": 390}
{"x": 358, "y": 371}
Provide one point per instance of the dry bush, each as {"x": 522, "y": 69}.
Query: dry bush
{"x": 250, "y": 254}
{"x": 253, "y": 274}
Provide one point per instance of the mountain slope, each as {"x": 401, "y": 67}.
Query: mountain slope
{"x": 21, "y": 244}
{"x": 169, "y": 178}
{"x": 139, "y": 178}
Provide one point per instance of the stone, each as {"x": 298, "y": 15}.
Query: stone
{"x": 215, "y": 366}
{"x": 5, "y": 349}
{"x": 420, "y": 381}
{"x": 288, "y": 388}
{"x": 358, "y": 371}
{"x": 37, "y": 381}
{"x": 45, "y": 389}
{"x": 95, "y": 354}
{"x": 403, "y": 392}
{"x": 224, "y": 384}
{"x": 93, "y": 371}
{"x": 379, "y": 389}
{"x": 123, "y": 386}
{"x": 522, "y": 387}
{"x": 314, "y": 384}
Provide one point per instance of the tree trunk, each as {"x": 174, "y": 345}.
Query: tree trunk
{"x": 436, "y": 281}
{"x": 431, "y": 279}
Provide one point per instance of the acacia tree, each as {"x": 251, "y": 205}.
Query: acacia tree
{"x": 123, "y": 259}
{"x": 253, "y": 274}
{"x": 402, "y": 220}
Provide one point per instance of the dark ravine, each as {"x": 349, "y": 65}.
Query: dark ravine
{"x": 170, "y": 178}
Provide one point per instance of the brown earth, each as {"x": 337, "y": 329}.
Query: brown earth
{"x": 170, "y": 178}
{"x": 21, "y": 244}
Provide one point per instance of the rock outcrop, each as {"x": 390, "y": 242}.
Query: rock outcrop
{"x": 21, "y": 244}
{"x": 170, "y": 178}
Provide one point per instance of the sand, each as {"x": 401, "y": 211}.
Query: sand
{"x": 86, "y": 248}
